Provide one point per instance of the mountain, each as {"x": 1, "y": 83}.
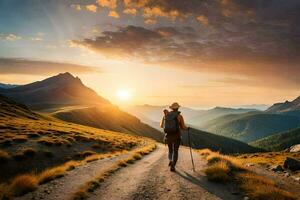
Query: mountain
{"x": 286, "y": 106}
{"x": 215, "y": 113}
{"x": 201, "y": 139}
{"x": 67, "y": 98}
{"x": 280, "y": 141}
{"x": 57, "y": 91}
{"x": 7, "y": 86}
{"x": 252, "y": 126}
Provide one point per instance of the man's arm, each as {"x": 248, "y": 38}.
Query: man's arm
{"x": 162, "y": 123}
{"x": 181, "y": 122}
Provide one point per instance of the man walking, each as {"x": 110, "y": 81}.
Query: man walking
{"x": 172, "y": 122}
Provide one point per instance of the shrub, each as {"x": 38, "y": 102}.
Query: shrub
{"x": 22, "y": 184}
{"x": 218, "y": 172}
{"x": 48, "y": 154}
{"x": 29, "y": 152}
{"x": 19, "y": 156}
{"x": 46, "y": 141}
{"x": 6, "y": 142}
{"x": 20, "y": 139}
{"x": 87, "y": 153}
{"x": 4, "y": 156}
{"x": 96, "y": 146}
{"x": 33, "y": 135}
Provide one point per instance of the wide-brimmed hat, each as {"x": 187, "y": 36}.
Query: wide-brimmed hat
{"x": 174, "y": 106}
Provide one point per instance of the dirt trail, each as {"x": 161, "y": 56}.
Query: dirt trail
{"x": 150, "y": 178}
{"x": 63, "y": 188}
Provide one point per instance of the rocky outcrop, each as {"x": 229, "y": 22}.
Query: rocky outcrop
{"x": 295, "y": 148}
{"x": 292, "y": 164}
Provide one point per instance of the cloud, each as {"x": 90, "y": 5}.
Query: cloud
{"x": 91, "y": 7}
{"x": 113, "y": 14}
{"x": 203, "y": 19}
{"x": 32, "y": 67}
{"x": 10, "y": 37}
{"x": 150, "y": 21}
{"x": 112, "y": 4}
{"x": 130, "y": 11}
{"x": 76, "y": 6}
{"x": 255, "y": 53}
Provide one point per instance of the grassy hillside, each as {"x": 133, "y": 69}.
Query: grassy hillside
{"x": 31, "y": 142}
{"x": 109, "y": 118}
{"x": 279, "y": 141}
{"x": 201, "y": 139}
{"x": 251, "y": 127}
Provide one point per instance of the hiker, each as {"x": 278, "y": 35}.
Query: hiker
{"x": 172, "y": 122}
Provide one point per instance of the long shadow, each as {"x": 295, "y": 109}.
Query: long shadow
{"x": 222, "y": 191}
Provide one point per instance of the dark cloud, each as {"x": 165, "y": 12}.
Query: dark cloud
{"x": 31, "y": 67}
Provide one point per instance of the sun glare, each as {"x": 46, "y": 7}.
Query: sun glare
{"x": 123, "y": 95}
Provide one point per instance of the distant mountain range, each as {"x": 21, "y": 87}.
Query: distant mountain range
{"x": 251, "y": 126}
{"x": 279, "y": 141}
{"x": 247, "y": 125}
{"x": 7, "y": 86}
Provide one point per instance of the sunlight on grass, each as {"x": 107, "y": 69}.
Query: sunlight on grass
{"x": 224, "y": 168}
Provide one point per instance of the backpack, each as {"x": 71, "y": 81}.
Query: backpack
{"x": 171, "y": 124}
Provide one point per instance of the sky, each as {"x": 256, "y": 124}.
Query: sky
{"x": 201, "y": 53}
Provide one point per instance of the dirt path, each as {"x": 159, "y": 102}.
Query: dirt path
{"x": 150, "y": 178}
{"x": 63, "y": 188}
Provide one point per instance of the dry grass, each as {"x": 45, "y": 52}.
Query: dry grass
{"x": 267, "y": 159}
{"x": 258, "y": 187}
{"x": 218, "y": 172}
{"x": 21, "y": 185}
{"x": 222, "y": 169}
{"x": 4, "y": 156}
{"x": 56, "y": 172}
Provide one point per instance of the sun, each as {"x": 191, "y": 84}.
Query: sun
{"x": 123, "y": 95}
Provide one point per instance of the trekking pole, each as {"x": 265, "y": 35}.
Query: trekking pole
{"x": 189, "y": 140}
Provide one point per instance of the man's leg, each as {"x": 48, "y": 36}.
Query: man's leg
{"x": 175, "y": 154}
{"x": 171, "y": 150}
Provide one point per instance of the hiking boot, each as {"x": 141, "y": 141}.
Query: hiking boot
{"x": 170, "y": 163}
{"x": 172, "y": 168}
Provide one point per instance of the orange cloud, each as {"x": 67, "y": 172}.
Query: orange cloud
{"x": 76, "y": 7}
{"x": 108, "y": 3}
{"x": 203, "y": 19}
{"x": 158, "y": 12}
{"x": 130, "y": 11}
{"x": 113, "y": 14}
{"x": 150, "y": 21}
{"x": 92, "y": 8}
